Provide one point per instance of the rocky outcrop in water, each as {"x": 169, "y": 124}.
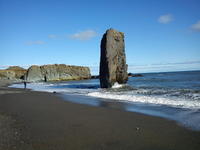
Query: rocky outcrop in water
{"x": 113, "y": 67}
{"x": 95, "y": 77}
{"x": 134, "y": 75}
{"x": 57, "y": 72}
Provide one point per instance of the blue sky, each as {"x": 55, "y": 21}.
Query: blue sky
{"x": 160, "y": 35}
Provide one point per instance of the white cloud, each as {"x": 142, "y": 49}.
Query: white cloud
{"x": 196, "y": 26}
{"x": 35, "y": 42}
{"x": 52, "y": 36}
{"x": 164, "y": 19}
{"x": 84, "y": 35}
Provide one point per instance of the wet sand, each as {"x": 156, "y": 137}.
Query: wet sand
{"x": 43, "y": 121}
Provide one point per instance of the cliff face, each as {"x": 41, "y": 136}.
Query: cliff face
{"x": 34, "y": 73}
{"x": 6, "y": 74}
{"x": 57, "y": 72}
{"x": 13, "y": 73}
{"x": 19, "y": 72}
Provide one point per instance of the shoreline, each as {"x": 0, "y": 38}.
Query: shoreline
{"x": 182, "y": 115}
{"x": 46, "y": 121}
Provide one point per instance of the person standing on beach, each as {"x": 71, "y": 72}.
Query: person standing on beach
{"x": 24, "y": 84}
{"x": 24, "y": 81}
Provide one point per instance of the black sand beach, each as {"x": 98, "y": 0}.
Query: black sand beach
{"x": 43, "y": 121}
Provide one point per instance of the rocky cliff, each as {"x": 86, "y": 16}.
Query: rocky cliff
{"x": 34, "y": 73}
{"x": 13, "y": 73}
{"x": 113, "y": 67}
{"x": 57, "y": 72}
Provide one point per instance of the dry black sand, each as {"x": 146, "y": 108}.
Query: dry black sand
{"x": 43, "y": 121}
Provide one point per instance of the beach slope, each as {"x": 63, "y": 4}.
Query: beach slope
{"x": 43, "y": 121}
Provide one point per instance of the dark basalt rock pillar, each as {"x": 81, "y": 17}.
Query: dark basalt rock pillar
{"x": 113, "y": 67}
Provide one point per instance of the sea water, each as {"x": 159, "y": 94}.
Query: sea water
{"x": 172, "y": 95}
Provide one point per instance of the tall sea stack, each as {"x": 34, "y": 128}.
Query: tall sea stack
{"x": 113, "y": 67}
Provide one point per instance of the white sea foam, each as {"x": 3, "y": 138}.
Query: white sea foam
{"x": 53, "y": 87}
{"x": 179, "y": 103}
{"x": 140, "y": 96}
{"x": 117, "y": 85}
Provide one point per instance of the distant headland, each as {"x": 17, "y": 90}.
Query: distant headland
{"x": 54, "y": 72}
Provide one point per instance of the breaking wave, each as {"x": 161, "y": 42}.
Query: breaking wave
{"x": 156, "y": 100}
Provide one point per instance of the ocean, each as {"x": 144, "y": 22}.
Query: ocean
{"x": 171, "y": 95}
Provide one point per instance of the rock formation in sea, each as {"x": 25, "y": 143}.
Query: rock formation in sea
{"x": 113, "y": 67}
{"x": 134, "y": 75}
{"x": 57, "y": 72}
